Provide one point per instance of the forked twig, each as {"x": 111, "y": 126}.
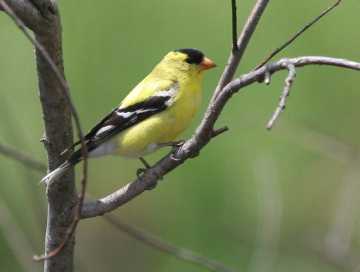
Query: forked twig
{"x": 297, "y": 34}
{"x": 284, "y": 95}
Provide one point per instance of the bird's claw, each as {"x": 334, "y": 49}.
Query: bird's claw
{"x": 140, "y": 172}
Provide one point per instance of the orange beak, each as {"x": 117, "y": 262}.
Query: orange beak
{"x": 207, "y": 64}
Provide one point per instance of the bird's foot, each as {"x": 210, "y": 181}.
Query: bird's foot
{"x": 141, "y": 171}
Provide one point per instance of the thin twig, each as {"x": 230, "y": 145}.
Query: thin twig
{"x": 203, "y": 133}
{"x": 234, "y": 24}
{"x": 155, "y": 242}
{"x": 65, "y": 87}
{"x": 23, "y": 158}
{"x": 298, "y": 34}
{"x": 217, "y": 132}
{"x": 284, "y": 95}
{"x": 242, "y": 43}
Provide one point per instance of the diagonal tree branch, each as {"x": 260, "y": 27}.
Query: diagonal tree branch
{"x": 161, "y": 245}
{"x": 168, "y": 163}
{"x": 22, "y": 157}
{"x": 203, "y": 134}
{"x": 298, "y": 34}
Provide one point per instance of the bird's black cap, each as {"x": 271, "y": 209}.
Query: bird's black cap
{"x": 195, "y": 56}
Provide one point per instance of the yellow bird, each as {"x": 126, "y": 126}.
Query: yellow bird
{"x": 152, "y": 115}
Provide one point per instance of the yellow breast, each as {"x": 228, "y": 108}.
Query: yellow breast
{"x": 163, "y": 127}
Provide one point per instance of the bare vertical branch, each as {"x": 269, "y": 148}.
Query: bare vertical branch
{"x": 48, "y": 46}
{"x": 57, "y": 107}
{"x": 234, "y": 24}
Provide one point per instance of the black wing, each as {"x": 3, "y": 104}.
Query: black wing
{"x": 120, "y": 119}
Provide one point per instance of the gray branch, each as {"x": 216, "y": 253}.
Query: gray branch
{"x": 284, "y": 95}
{"x": 203, "y": 134}
{"x": 58, "y": 136}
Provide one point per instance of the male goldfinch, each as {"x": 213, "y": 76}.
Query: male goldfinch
{"x": 152, "y": 115}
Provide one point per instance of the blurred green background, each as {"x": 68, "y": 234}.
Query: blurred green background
{"x": 284, "y": 200}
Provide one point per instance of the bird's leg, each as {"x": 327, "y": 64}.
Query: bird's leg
{"x": 145, "y": 163}
{"x": 141, "y": 171}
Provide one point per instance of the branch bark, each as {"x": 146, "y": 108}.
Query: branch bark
{"x": 27, "y": 13}
{"x": 58, "y": 136}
